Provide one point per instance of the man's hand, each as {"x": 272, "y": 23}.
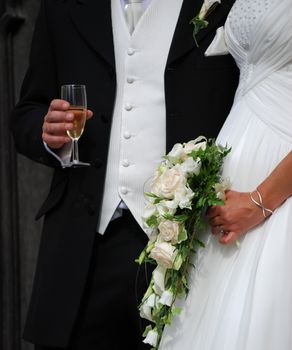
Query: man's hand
{"x": 56, "y": 123}
{"x": 238, "y": 215}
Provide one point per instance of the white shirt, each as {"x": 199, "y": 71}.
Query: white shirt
{"x": 144, "y": 2}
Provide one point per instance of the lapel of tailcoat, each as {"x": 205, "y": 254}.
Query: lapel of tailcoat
{"x": 92, "y": 19}
{"x": 183, "y": 40}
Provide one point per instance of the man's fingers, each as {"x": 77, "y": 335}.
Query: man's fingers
{"x": 55, "y": 141}
{"x": 58, "y": 117}
{"x": 59, "y": 105}
{"x": 89, "y": 114}
{"x": 57, "y": 128}
{"x": 56, "y": 123}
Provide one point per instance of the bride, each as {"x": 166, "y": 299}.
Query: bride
{"x": 241, "y": 295}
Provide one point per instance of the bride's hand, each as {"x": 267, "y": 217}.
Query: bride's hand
{"x": 238, "y": 215}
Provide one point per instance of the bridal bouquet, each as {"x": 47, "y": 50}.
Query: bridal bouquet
{"x": 185, "y": 184}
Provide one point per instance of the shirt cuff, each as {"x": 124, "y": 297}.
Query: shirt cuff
{"x": 63, "y": 155}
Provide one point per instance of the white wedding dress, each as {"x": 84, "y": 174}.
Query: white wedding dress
{"x": 241, "y": 298}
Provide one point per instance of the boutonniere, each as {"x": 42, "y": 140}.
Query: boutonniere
{"x": 200, "y": 21}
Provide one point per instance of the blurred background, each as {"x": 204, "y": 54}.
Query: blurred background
{"x": 24, "y": 184}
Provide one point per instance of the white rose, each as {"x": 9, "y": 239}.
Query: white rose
{"x": 170, "y": 181}
{"x": 151, "y": 338}
{"x": 176, "y": 154}
{"x": 164, "y": 254}
{"x": 169, "y": 230}
{"x": 158, "y": 279}
{"x": 166, "y": 207}
{"x": 221, "y": 187}
{"x": 201, "y": 145}
{"x": 145, "y": 312}
{"x": 152, "y": 234}
{"x": 195, "y": 145}
{"x": 184, "y": 197}
{"x": 166, "y": 298}
{"x": 151, "y": 300}
{"x": 191, "y": 166}
{"x": 189, "y": 147}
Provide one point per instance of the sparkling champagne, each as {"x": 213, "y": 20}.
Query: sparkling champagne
{"x": 78, "y": 122}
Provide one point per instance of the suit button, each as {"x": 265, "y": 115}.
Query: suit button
{"x": 125, "y": 163}
{"x": 130, "y": 80}
{"x": 124, "y": 190}
{"x": 130, "y": 51}
{"x": 127, "y": 135}
{"x": 128, "y": 107}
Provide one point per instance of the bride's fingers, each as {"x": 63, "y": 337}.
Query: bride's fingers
{"x": 216, "y": 221}
{"x": 213, "y": 211}
{"x": 218, "y": 229}
{"x": 214, "y": 230}
{"x": 228, "y": 238}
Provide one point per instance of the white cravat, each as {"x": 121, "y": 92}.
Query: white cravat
{"x": 133, "y": 11}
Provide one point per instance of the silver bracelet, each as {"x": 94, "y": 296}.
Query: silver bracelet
{"x": 260, "y": 204}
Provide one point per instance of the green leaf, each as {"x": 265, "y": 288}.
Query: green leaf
{"x": 147, "y": 330}
{"x": 150, "y": 194}
{"x": 181, "y": 217}
{"x": 215, "y": 201}
{"x": 141, "y": 257}
{"x": 152, "y": 221}
{"x": 200, "y": 243}
{"x": 176, "y": 310}
{"x": 149, "y": 247}
{"x": 183, "y": 235}
{"x": 198, "y": 24}
{"x": 167, "y": 216}
{"x": 177, "y": 262}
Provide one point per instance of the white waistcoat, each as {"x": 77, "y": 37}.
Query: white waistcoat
{"x": 138, "y": 134}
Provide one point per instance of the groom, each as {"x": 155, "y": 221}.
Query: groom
{"x": 149, "y": 86}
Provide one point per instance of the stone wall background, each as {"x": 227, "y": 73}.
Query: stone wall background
{"x": 23, "y": 184}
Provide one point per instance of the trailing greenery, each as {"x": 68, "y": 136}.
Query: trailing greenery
{"x": 185, "y": 184}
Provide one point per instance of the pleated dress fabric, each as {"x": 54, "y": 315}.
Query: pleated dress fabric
{"x": 241, "y": 297}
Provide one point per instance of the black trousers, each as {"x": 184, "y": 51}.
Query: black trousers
{"x": 109, "y": 317}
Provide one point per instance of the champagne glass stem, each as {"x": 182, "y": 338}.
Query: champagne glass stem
{"x": 75, "y": 153}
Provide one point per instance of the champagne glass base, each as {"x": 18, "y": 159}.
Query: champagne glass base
{"x": 76, "y": 164}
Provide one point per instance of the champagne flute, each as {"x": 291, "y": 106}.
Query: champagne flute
{"x": 76, "y": 95}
